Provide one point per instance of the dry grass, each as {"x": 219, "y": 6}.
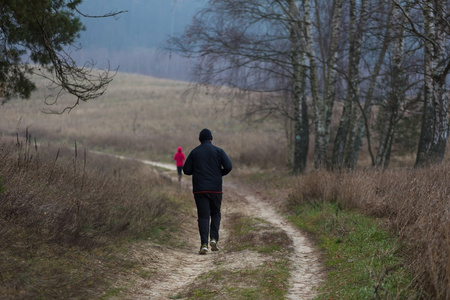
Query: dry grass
{"x": 415, "y": 204}
{"x": 64, "y": 220}
{"x": 149, "y": 118}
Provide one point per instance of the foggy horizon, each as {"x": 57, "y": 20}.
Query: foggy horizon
{"x": 134, "y": 40}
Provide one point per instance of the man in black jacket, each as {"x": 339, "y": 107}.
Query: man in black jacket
{"x": 207, "y": 164}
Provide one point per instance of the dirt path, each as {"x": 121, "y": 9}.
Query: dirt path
{"x": 172, "y": 269}
{"x": 307, "y": 270}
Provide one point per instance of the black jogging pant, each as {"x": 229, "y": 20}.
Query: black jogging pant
{"x": 208, "y": 211}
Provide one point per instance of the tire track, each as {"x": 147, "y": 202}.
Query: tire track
{"x": 175, "y": 268}
{"x": 306, "y": 274}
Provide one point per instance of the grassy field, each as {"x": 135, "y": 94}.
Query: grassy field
{"x": 68, "y": 215}
{"x": 147, "y": 118}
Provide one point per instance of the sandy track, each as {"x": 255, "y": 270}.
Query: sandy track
{"x": 172, "y": 269}
{"x": 307, "y": 271}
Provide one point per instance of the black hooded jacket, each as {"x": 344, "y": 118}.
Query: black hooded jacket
{"x": 207, "y": 164}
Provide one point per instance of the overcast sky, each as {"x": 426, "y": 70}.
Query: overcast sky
{"x": 132, "y": 40}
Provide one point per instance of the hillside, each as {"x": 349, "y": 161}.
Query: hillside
{"x": 148, "y": 118}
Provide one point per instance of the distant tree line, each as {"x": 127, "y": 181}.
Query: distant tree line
{"x": 340, "y": 71}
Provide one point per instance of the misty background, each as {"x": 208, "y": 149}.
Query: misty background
{"x": 134, "y": 40}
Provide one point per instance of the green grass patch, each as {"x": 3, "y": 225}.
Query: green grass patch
{"x": 363, "y": 260}
{"x": 267, "y": 280}
{"x": 256, "y": 235}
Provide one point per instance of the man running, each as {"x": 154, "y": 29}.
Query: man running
{"x": 207, "y": 164}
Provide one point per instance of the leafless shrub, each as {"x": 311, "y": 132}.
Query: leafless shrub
{"x": 65, "y": 213}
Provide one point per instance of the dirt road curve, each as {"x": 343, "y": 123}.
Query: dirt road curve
{"x": 307, "y": 270}
{"x": 174, "y": 268}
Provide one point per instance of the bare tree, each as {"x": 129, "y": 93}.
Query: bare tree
{"x": 389, "y": 114}
{"x": 254, "y": 46}
{"x": 301, "y": 123}
{"x": 363, "y": 120}
{"x": 343, "y": 150}
{"x": 296, "y": 55}
{"x": 435, "y": 33}
{"x": 322, "y": 63}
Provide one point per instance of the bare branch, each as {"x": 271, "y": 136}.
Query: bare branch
{"x": 84, "y": 82}
{"x": 114, "y": 14}
{"x": 413, "y": 25}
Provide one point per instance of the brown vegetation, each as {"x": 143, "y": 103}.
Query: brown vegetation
{"x": 61, "y": 218}
{"x": 414, "y": 203}
{"x": 148, "y": 118}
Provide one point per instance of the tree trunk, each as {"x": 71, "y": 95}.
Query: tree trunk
{"x": 301, "y": 125}
{"x": 388, "y": 116}
{"x": 389, "y": 113}
{"x": 330, "y": 82}
{"x": 351, "y": 155}
{"x": 301, "y": 140}
{"x": 319, "y": 105}
{"x": 340, "y": 142}
{"x": 362, "y": 127}
{"x": 322, "y": 103}
{"x": 341, "y": 135}
{"x": 434, "y": 133}
{"x": 288, "y": 131}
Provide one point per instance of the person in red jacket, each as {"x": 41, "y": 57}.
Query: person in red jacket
{"x": 179, "y": 158}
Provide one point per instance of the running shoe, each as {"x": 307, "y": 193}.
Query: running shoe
{"x": 213, "y": 245}
{"x": 203, "y": 249}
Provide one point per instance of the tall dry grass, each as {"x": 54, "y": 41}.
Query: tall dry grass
{"x": 415, "y": 204}
{"x": 148, "y": 118}
{"x": 71, "y": 202}
{"x": 59, "y": 212}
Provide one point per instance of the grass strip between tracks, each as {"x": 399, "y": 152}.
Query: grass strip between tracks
{"x": 266, "y": 279}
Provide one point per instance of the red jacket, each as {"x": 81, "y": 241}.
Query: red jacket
{"x": 179, "y": 157}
